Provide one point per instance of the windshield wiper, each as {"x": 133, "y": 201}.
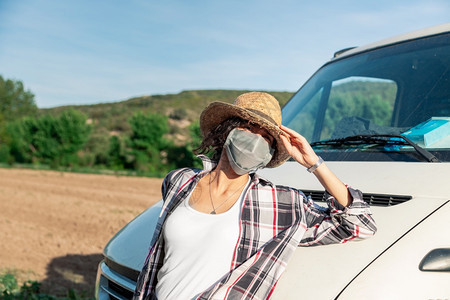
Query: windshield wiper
{"x": 379, "y": 139}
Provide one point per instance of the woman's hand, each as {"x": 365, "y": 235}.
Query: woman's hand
{"x": 298, "y": 147}
{"x": 300, "y": 150}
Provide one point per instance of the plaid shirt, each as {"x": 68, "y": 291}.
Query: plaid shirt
{"x": 274, "y": 221}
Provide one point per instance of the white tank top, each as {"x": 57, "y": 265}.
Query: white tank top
{"x": 198, "y": 249}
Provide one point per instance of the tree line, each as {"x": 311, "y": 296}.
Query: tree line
{"x": 66, "y": 140}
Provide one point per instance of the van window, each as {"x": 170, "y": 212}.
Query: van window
{"x": 400, "y": 89}
{"x": 358, "y": 97}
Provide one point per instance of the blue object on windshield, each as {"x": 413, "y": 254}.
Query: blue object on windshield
{"x": 429, "y": 132}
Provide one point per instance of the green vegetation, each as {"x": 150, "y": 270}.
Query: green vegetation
{"x": 367, "y": 99}
{"x": 370, "y": 100}
{"x": 47, "y": 140}
{"x": 30, "y": 290}
{"x": 15, "y": 101}
{"x": 181, "y": 109}
{"x": 145, "y": 136}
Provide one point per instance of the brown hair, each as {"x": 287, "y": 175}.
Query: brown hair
{"x": 213, "y": 142}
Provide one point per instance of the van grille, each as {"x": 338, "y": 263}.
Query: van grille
{"x": 371, "y": 199}
{"x": 113, "y": 285}
{"x": 124, "y": 293}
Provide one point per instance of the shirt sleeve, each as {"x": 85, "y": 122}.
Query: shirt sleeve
{"x": 337, "y": 223}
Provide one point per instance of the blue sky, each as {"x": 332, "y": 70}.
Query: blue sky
{"x": 85, "y": 52}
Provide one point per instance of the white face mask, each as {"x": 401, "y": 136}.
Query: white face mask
{"x": 247, "y": 151}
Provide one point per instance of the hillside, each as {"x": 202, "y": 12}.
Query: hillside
{"x": 182, "y": 109}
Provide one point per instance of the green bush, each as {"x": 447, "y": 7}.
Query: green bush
{"x": 47, "y": 139}
{"x": 80, "y": 137}
{"x": 116, "y": 153}
{"x": 97, "y": 148}
{"x": 20, "y": 135}
{"x": 8, "y": 283}
{"x": 146, "y": 142}
{"x": 30, "y": 290}
{"x": 5, "y": 156}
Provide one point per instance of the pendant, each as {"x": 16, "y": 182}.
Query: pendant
{"x": 213, "y": 212}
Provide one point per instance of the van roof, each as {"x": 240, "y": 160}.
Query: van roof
{"x": 434, "y": 30}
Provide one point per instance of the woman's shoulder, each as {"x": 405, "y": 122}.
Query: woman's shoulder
{"x": 176, "y": 178}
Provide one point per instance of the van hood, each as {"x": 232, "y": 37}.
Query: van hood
{"x": 428, "y": 193}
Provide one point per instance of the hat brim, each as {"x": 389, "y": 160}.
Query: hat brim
{"x": 218, "y": 112}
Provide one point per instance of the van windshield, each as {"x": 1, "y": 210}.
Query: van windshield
{"x": 402, "y": 90}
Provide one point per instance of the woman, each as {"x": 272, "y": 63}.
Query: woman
{"x": 226, "y": 233}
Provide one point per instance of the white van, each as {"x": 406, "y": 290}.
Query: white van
{"x": 379, "y": 115}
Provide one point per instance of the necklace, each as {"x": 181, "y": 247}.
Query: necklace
{"x": 213, "y": 212}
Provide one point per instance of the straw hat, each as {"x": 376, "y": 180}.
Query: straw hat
{"x": 259, "y": 108}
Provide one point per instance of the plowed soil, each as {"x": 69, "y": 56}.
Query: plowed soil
{"x": 54, "y": 225}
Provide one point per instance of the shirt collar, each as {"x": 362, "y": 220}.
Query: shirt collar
{"x": 208, "y": 163}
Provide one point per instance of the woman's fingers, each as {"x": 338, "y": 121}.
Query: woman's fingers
{"x": 291, "y": 143}
{"x": 289, "y": 131}
{"x": 298, "y": 147}
{"x": 293, "y": 134}
{"x": 294, "y": 137}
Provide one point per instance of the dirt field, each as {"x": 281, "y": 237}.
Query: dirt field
{"x": 54, "y": 225}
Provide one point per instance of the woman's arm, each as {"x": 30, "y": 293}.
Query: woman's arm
{"x": 300, "y": 150}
